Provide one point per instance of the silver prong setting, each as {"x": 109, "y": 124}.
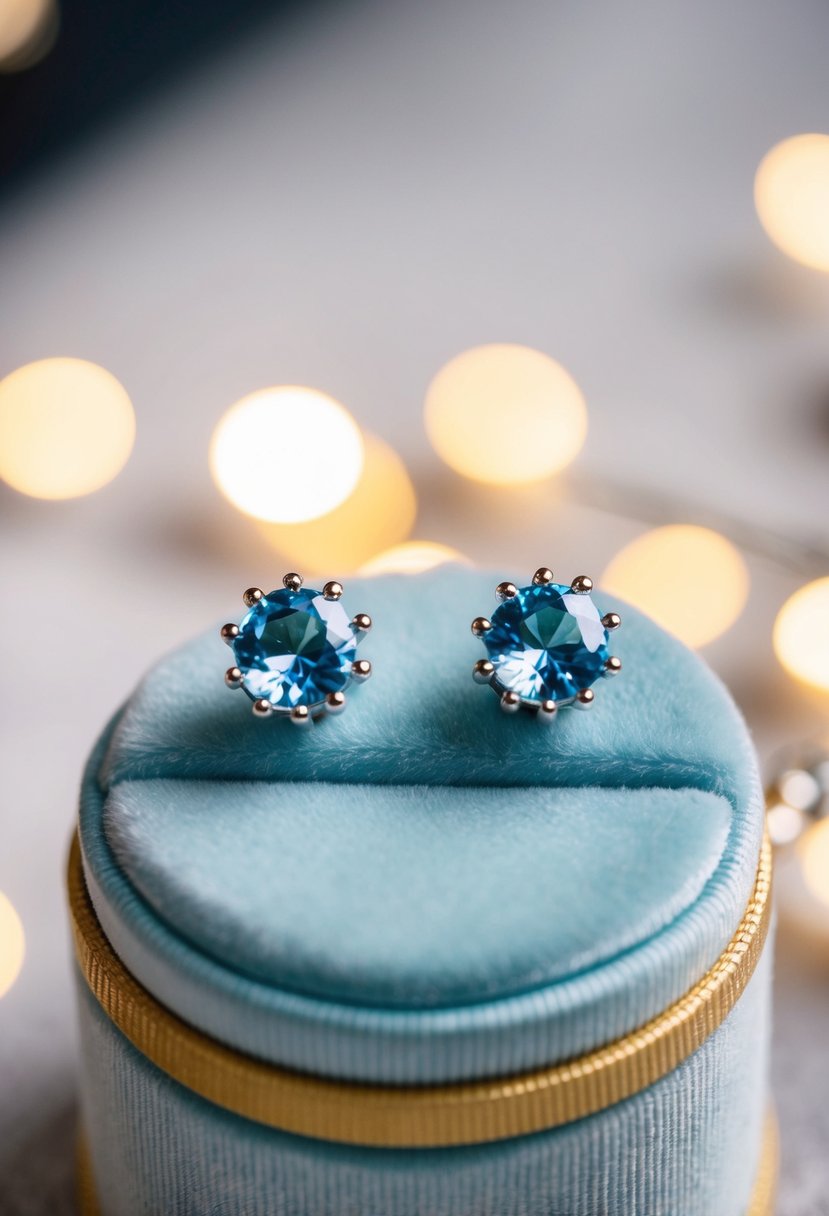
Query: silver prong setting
{"x": 252, "y": 597}
{"x": 584, "y": 699}
{"x": 332, "y": 590}
{"x": 611, "y": 621}
{"x": 581, "y": 585}
{"x": 262, "y": 708}
{"x": 510, "y": 702}
{"x": 292, "y": 581}
{"x": 481, "y": 626}
{"x": 506, "y": 591}
{"x": 547, "y": 711}
{"x": 361, "y": 670}
{"x": 301, "y": 715}
{"x": 229, "y": 633}
{"x": 233, "y": 677}
{"x": 483, "y": 671}
{"x": 335, "y": 703}
{"x": 613, "y": 666}
{"x": 543, "y": 576}
{"x": 361, "y": 623}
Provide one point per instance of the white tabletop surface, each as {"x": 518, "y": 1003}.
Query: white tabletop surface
{"x": 347, "y": 200}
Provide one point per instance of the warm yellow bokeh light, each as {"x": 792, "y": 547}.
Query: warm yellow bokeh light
{"x": 413, "y": 558}
{"x": 813, "y": 853}
{"x": 801, "y": 634}
{"x": 66, "y": 428}
{"x": 286, "y": 454}
{"x": 690, "y": 580}
{"x": 381, "y": 512}
{"x": 27, "y": 32}
{"x": 791, "y": 193}
{"x": 505, "y": 415}
{"x": 12, "y": 945}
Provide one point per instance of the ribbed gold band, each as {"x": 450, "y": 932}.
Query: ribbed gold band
{"x": 761, "y": 1204}
{"x": 417, "y": 1117}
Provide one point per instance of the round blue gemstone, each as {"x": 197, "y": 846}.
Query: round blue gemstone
{"x": 294, "y": 648}
{"x": 547, "y": 643}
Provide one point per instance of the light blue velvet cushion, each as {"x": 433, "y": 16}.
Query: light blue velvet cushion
{"x": 423, "y": 889}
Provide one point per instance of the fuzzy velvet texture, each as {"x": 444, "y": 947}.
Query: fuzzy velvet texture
{"x": 687, "y": 1146}
{"x": 423, "y": 889}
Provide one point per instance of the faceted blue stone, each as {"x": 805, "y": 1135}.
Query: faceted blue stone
{"x": 294, "y": 648}
{"x": 547, "y": 643}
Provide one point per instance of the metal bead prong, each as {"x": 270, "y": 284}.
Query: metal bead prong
{"x": 584, "y": 698}
{"x": 229, "y": 633}
{"x": 233, "y": 677}
{"x": 480, "y": 626}
{"x": 262, "y": 708}
{"x": 582, "y": 585}
{"x": 301, "y": 715}
{"x": 542, "y": 576}
{"x": 613, "y": 665}
{"x": 335, "y": 703}
{"x": 506, "y": 591}
{"x": 611, "y": 620}
{"x": 483, "y": 671}
{"x": 547, "y": 711}
{"x": 510, "y": 702}
{"x": 292, "y": 581}
{"x": 361, "y": 623}
{"x": 332, "y": 590}
{"x": 252, "y": 597}
{"x": 361, "y": 670}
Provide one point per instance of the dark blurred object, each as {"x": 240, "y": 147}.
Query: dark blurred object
{"x": 105, "y": 56}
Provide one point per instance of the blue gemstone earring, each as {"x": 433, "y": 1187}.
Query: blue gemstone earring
{"x": 296, "y": 651}
{"x": 547, "y": 645}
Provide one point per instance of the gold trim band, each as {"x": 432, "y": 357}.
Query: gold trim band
{"x": 761, "y": 1204}
{"x": 417, "y": 1117}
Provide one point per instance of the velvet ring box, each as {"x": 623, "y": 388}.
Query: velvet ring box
{"x": 425, "y": 958}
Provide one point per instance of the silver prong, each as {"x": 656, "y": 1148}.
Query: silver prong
{"x": 506, "y": 591}
{"x": 480, "y": 626}
{"x": 547, "y": 711}
{"x": 584, "y": 698}
{"x": 611, "y": 620}
{"x": 510, "y": 702}
{"x": 483, "y": 671}
{"x": 361, "y": 623}
{"x": 332, "y": 590}
{"x": 252, "y": 597}
{"x": 361, "y": 670}
{"x": 335, "y": 703}
{"x": 292, "y": 582}
{"x": 262, "y": 708}
{"x": 542, "y": 576}
{"x": 582, "y": 585}
{"x": 301, "y": 715}
{"x": 233, "y": 677}
{"x": 612, "y": 666}
{"x": 229, "y": 633}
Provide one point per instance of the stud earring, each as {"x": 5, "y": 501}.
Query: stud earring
{"x": 546, "y": 645}
{"x": 295, "y": 651}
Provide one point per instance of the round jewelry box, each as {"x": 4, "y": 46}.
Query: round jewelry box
{"x": 425, "y": 957}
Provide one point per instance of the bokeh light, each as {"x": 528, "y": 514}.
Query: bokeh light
{"x": 27, "y": 31}
{"x": 286, "y": 454}
{"x": 801, "y": 634}
{"x": 690, "y": 580}
{"x": 413, "y": 558}
{"x": 12, "y": 945}
{"x": 505, "y": 415}
{"x": 813, "y": 853}
{"x": 380, "y": 512}
{"x": 66, "y": 428}
{"x": 791, "y": 193}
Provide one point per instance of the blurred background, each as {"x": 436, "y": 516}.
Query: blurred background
{"x": 546, "y": 283}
